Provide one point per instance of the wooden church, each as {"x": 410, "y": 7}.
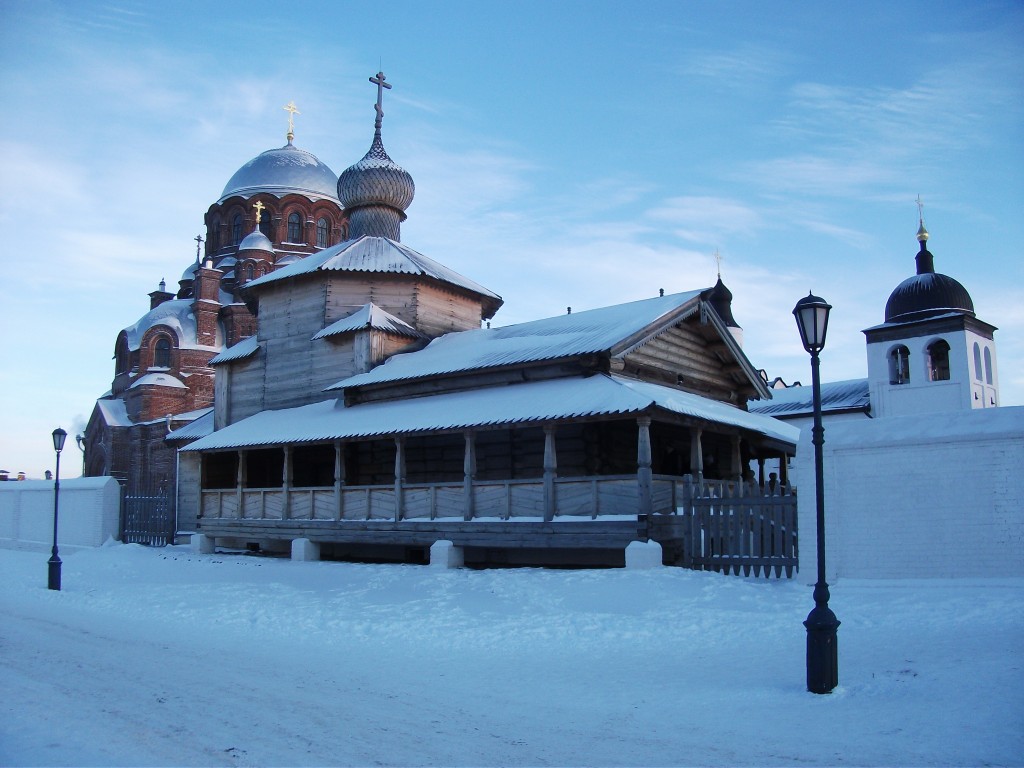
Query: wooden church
{"x": 373, "y": 413}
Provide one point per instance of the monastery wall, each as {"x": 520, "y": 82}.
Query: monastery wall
{"x": 922, "y": 496}
{"x": 88, "y": 515}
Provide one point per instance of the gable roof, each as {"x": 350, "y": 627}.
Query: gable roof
{"x": 242, "y": 349}
{"x": 527, "y": 403}
{"x": 379, "y": 254}
{"x": 369, "y": 316}
{"x": 591, "y": 331}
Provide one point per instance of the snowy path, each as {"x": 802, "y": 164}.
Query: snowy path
{"x": 161, "y": 657}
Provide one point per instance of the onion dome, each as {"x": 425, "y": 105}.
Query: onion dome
{"x": 283, "y": 171}
{"x": 256, "y": 241}
{"x": 720, "y": 298}
{"x": 928, "y": 293}
{"x": 376, "y": 191}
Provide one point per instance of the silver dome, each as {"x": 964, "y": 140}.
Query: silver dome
{"x": 255, "y": 241}
{"x": 281, "y": 171}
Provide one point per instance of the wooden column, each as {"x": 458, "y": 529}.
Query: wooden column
{"x": 286, "y": 484}
{"x": 469, "y": 474}
{"x": 784, "y": 469}
{"x": 550, "y": 472}
{"x": 760, "y": 473}
{"x": 736, "y": 460}
{"x": 399, "y": 475}
{"x": 240, "y": 484}
{"x": 644, "y": 475}
{"x": 339, "y": 479}
{"x": 696, "y": 455}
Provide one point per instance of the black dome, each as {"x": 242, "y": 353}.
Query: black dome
{"x": 927, "y": 294}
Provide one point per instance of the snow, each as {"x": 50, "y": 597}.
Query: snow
{"x": 166, "y": 657}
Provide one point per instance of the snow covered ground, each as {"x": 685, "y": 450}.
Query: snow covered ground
{"x": 165, "y": 657}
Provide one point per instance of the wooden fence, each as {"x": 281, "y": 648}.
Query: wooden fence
{"x": 731, "y": 528}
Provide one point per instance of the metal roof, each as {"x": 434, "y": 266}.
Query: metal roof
{"x": 369, "y": 316}
{"x": 242, "y": 349}
{"x": 850, "y": 395}
{"x": 201, "y": 426}
{"x": 375, "y": 254}
{"x": 533, "y": 402}
{"x": 281, "y": 171}
{"x": 595, "y": 330}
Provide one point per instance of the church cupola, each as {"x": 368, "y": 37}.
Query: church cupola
{"x": 376, "y": 191}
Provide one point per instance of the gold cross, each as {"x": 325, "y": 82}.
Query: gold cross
{"x": 292, "y": 111}
{"x": 259, "y": 206}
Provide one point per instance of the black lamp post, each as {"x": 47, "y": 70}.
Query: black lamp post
{"x": 59, "y": 436}
{"x": 811, "y": 314}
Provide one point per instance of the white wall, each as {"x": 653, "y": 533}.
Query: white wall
{"x": 925, "y": 496}
{"x": 89, "y": 512}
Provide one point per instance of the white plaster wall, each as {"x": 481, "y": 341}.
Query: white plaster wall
{"x": 918, "y": 496}
{"x": 89, "y": 512}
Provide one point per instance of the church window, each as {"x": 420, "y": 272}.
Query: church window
{"x": 322, "y": 228}
{"x": 294, "y": 228}
{"x": 938, "y": 361}
{"x": 899, "y": 365}
{"x": 250, "y": 271}
{"x": 213, "y": 235}
{"x": 977, "y": 361}
{"x": 267, "y": 226}
{"x": 236, "y": 229}
{"x": 120, "y": 358}
{"x": 988, "y": 365}
{"x": 162, "y": 353}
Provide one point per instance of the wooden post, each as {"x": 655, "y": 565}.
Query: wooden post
{"x": 469, "y": 474}
{"x": 550, "y": 472}
{"x": 339, "y": 479}
{"x": 784, "y": 470}
{"x": 736, "y": 459}
{"x": 696, "y": 455}
{"x": 760, "y": 473}
{"x": 240, "y": 483}
{"x": 286, "y": 484}
{"x": 644, "y": 475}
{"x": 399, "y": 475}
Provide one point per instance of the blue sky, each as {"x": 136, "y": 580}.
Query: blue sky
{"x": 564, "y": 153}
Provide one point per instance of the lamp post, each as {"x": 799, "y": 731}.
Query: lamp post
{"x": 59, "y": 436}
{"x": 811, "y": 314}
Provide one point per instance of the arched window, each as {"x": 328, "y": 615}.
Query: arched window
{"x": 250, "y": 271}
{"x": 294, "y": 228}
{"x": 899, "y": 365}
{"x": 977, "y": 361}
{"x": 267, "y": 225}
{"x": 322, "y": 228}
{"x": 938, "y": 361}
{"x": 988, "y": 365}
{"x": 236, "y": 229}
{"x": 120, "y": 358}
{"x": 213, "y": 235}
{"x": 162, "y": 353}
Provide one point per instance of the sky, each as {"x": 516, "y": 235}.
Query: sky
{"x": 154, "y": 656}
{"x": 565, "y": 154}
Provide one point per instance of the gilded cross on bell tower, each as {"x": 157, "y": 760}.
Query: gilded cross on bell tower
{"x": 292, "y": 111}
{"x": 378, "y": 80}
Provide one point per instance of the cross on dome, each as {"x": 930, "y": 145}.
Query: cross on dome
{"x": 292, "y": 111}
{"x": 259, "y": 206}
{"x": 199, "y": 244}
{"x": 378, "y": 80}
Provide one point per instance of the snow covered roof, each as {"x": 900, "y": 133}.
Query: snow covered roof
{"x": 376, "y": 254}
{"x": 114, "y": 413}
{"x": 532, "y": 402}
{"x": 159, "y": 380}
{"x": 244, "y": 348}
{"x": 200, "y": 425}
{"x": 281, "y": 171}
{"x": 850, "y": 395}
{"x": 369, "y": 316}
{"x": 176, "y": 314}
{"x": 595, "y": 330}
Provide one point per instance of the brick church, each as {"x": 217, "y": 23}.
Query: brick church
{"x": 276, "y": 209}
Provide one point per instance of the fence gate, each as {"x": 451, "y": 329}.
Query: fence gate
{"x": 147, "y": 518}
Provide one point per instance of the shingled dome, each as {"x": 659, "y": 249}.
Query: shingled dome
{"x": 282, "y": 171}
{"x": 928, "y": 293}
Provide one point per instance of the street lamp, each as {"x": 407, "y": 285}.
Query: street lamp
{"x": 811, "y": 314}
{"x": 59, "y": 436}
